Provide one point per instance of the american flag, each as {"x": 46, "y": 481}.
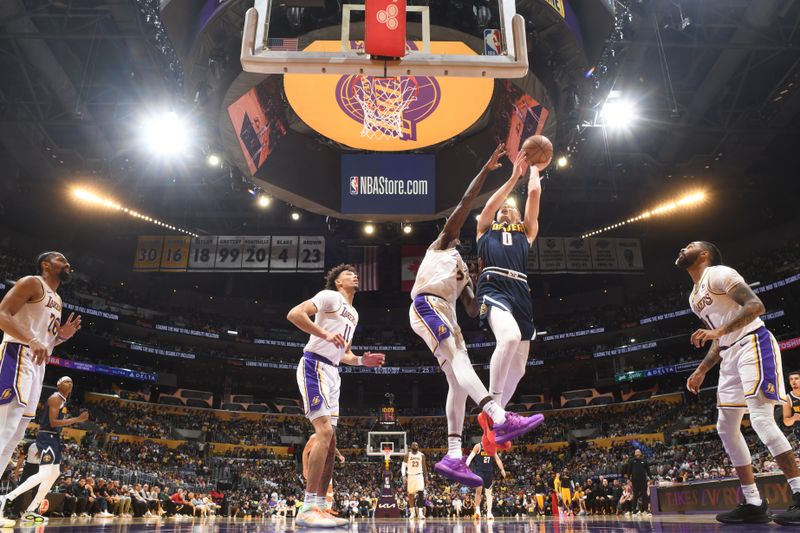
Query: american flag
{"x": 365, "y": 259}
{"x": 280, "y": 44}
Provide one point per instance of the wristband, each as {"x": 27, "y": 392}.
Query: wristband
{"x": 360, "y": 360}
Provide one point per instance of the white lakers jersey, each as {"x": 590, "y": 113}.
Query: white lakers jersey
{"x": 442, "y": 273}
{"x": 41, "y": 317}
{"x": 335, "y": 315}
{"x": 709, "y": 301}
{"x": 414, "y": 463}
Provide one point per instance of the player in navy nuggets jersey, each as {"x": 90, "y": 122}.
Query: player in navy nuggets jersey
{"x": 483, "y": 463}
{"x": 48, "y": 442}
{"x": 791, "y": 412}
{"x": 504, "y": 240}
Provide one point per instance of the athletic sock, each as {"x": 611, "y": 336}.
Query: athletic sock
{"x": 495, "y": 412}
{"x": 795, "y": 484}
{"x": 309, "y": 501}
{"x": 751, "y": 494}
{"x": 454, "y": 447}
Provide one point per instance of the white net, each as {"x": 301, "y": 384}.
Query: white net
{"x": 383, "y": 102}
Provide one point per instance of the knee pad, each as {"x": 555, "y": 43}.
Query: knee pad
{"x": 762, "y": 420}
{"x": 729, "y": 429}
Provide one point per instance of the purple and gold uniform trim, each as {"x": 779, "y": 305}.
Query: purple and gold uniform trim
{"x": 313, "y": 381}
{"x": 768, "y": 381}
{"x": 12, "y": 355}
{"x": 434, "y": 323}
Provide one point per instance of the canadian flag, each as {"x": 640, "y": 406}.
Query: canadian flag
{"x": 411, "y": 257}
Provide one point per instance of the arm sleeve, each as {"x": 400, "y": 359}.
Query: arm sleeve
{"x": 326, "y": 301}
{"x": 722, "y": 279}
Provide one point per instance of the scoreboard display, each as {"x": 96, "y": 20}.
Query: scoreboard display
{"x": 388, "y": 415}
{"x": 230, "y": 253}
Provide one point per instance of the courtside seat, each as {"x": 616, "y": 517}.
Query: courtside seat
{"x": 575, "y": 402}
{"x": 531, "y": 398}
{"x": 642, "y": 395}
{"x": 169, "y": 400}
{"x": 230, "y": 406}
{"x": 602, "y": 400}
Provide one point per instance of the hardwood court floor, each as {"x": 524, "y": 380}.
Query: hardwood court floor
{"x": 660, "y": 523}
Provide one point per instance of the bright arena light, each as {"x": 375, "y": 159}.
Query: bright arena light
{"x": 295, "y": 215}
{"x": 407, "y": 229}
{"x": 214, "y": 160}
{"x": 369, "y": 229}
{"x": 618, "y": 113}
{"x": 90, "y": 198}
{"x": 166, "y": 134}
{"x": 688, "y": 200}
{"x": 263, "y": 201}
{"x": 562, "y": 161}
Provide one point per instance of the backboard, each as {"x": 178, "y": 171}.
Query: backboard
{"x": 377, "y": 441}
{"x": 506, "y": 57}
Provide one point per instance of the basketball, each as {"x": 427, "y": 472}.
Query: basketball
{"x": 539, "y": 150}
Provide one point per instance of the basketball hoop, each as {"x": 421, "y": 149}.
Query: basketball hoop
{"x": 383, "y": 102}
{"x": 387, "y": 454}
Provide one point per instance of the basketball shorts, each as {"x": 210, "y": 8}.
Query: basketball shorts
{"x": 49, "y": 446}
{"x": 416, "y": 483}
{"x": 509, "y": 294}
{"x": 566, "y": 496}
{"x": 319, "y": 384}
{"x": 434, "y": 319}
{"x": 487, "y": 478}
{"x": 749, "y": 367}
{"x": 20, "y": 378}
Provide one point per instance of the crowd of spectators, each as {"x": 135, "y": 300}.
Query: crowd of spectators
{"x": 138, "y": 309}
{"x": 112, "y": 476}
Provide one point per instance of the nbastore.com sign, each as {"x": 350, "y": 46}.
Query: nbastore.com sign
{"x": 376, "y": 184}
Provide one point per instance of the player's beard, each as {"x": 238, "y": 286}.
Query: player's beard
{"x": 65, "y": 276}
{"x": 685, "y": 261}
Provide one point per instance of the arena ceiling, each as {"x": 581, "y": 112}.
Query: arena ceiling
{"x": 717, "y": 84}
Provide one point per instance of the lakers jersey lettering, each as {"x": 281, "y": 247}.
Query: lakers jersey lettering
{"x": 709, "y": 300}
{"x": 442, "y": 273}
{"x": 42, "y": 317}
{"x": 414, "y": 463}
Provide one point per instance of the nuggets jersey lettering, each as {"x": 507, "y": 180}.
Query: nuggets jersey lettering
{"x": 504, "y": 246}
{"x": 414, "y": 465}
{"x": 483, "y": 462}
{"x": 710, "y": 302}
{"x": 41, "y": 317}
{"x": 795, "y": 406}
{"x": 335, "y": 315}
{"x": 442, "y": 273}
{"x": 44, "y": 419}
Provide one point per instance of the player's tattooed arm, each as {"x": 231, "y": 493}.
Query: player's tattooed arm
{"x": 456, "y": 220}
{"x": 711, "y": 360}
{"x": 751, "y": 308}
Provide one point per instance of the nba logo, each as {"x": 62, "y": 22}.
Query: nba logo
{"x": 353, "y": 185}
{"x": 492, "y": 42}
